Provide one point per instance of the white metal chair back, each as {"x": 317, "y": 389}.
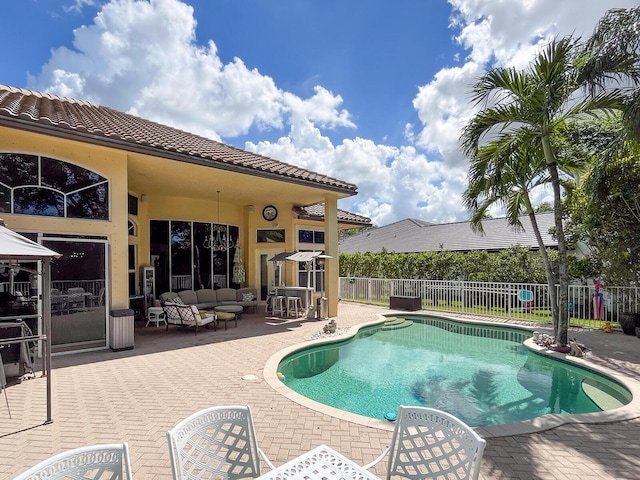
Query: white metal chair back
{"x": 96, "y": 462}
{"x": 217, "y": 442}
{"x": 431, "y": 444}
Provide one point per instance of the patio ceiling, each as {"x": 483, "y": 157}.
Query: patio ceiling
{"x": 157, "y": 176}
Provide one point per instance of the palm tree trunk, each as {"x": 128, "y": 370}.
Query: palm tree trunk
{"x": 561, "y": 313}
{"x": 548, "y": 268}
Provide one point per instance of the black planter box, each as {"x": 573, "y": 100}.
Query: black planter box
{"x": 405, "y": 303}
{"x": 628, "y": 322}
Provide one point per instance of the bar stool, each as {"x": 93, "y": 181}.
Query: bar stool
{"x": 280, "y": 304}
{"x": 156, "y": 315}
{"x": 294, "y": 305}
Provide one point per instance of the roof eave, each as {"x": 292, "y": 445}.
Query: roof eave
{"x": 103, "y": 141}
{"x": 318, "y": 218}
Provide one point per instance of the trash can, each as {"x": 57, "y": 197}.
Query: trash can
{"x": 121, "y": 328}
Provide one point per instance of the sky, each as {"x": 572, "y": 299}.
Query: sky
{"x": 373, "y": 92}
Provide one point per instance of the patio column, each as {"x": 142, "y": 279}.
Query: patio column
{"x": 331, "y": 249}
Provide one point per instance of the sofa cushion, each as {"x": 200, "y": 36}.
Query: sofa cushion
{"x": 247, "y": 297}
{"x": 207, "y": 305}
{"x": 226, "y": 295}
{"x": 168, "y": 297}
{"x": 189, "y": 297}
{"x": 206, "y": 296}
{"x": 241, "y": 292}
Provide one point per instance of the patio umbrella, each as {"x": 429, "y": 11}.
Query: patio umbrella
{"x": 238, "y": 267}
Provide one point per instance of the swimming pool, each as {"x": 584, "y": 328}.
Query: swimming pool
{"x": 481, "y": 374}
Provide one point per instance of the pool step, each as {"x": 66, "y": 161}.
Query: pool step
{"x": 393, "y": 323}
{"x": 604, "y": 396}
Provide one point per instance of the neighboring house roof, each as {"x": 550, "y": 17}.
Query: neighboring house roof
{"x": 410, "y": 236}
{"x": 316, "y": 212}
{"x": 90, "y": 123}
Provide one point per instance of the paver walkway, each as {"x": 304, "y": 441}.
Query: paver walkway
{"x": 137, "y": 395}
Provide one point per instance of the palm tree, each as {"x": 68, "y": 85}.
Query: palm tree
{"x": 504, "y": 172}
{"x": 529, "y": 108}
{"x": 612, "y": 59}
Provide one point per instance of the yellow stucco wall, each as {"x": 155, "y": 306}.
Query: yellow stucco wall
{"x": 111, "y": 164}
{"x": 116, "y": 166}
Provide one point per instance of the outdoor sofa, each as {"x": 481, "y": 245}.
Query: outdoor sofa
{"x": 207, "y": 298}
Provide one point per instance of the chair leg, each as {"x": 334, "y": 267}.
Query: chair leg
{"x": 7, "y": 400}
{"x": 3, "y": 385}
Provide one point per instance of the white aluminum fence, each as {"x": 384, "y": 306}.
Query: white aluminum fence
{"x": 523, "y": 301}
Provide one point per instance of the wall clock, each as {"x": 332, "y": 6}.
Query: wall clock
{"x": 269, "y": 213}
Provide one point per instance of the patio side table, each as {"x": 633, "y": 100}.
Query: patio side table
{"x": 155, "y": 315}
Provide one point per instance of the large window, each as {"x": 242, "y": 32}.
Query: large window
{"x": 35, "y": 185}
{"x": 311, "y": 236}
{"x": 185, "y": 256}
{"x": 311, "y": 274}
{"x": 270, "y": 236}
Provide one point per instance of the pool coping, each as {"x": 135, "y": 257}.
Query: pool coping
{"x": 538, "y": 424}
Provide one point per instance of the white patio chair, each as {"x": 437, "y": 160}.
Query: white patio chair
{"x": 217, "y": 442}
{"x": 58, "y": 302}
{"x": 96, "y": 462}
{"x": 431, "y": 444}
{"x": 76, "y": 299}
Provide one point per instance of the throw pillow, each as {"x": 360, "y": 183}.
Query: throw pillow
{"x": 247, "y": 297}
{"x": 178, "y": 300}
{"x": 203, "y": 315}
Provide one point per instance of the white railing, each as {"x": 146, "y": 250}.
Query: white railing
{"x": 22, "y": 287}
{"x": 90, "y": 286}
{"x": 521, "y": 301}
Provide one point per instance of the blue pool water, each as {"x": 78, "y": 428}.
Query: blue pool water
{"x": 481, "y": 374}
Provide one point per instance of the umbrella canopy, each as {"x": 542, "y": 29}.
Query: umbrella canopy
{"x": 239, "y": 274}
{"x": 280, "y": 257}
{"x": 14, "y": 248}
{"x": 303, "y": 256}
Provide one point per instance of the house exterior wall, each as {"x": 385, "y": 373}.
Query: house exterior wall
{"x": 111, "y": 164}
{"x": 123, "y": 170}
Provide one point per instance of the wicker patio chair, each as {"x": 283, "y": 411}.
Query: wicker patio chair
{"x": 187, "y": 316}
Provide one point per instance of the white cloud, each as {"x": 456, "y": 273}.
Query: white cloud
{"x": 322, "y": 108}
{"x": 78, "y": 5}
{"x": 497, "y": 33}
{"x": 143, "y": 57}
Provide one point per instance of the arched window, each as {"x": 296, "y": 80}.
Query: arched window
{"x": 35, "y": 185}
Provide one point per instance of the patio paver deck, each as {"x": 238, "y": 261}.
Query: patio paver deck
{"x": 137, "y": 395}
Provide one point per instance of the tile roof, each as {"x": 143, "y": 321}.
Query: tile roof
{"x": 316, "y": 212}
{"x": 411, "y": 235}
{"x": 89, "y": 122}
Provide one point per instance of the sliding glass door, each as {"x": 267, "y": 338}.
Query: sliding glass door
{"x": 78, "y": 293}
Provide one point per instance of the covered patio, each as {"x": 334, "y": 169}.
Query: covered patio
{"x": 137, "y": 395}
